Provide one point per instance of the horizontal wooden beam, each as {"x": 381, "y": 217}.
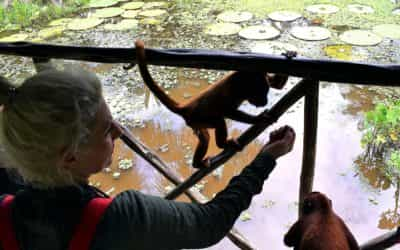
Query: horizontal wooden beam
{"x": 324, "y": 70}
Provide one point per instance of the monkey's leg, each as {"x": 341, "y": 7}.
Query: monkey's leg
{"x": 201, "y": 148}
{"x": 221, "y": 135}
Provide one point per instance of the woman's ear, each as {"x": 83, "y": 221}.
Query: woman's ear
{"x": 68, "y": 159}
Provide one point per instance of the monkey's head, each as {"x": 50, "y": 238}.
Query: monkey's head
{"x": 316, "y": 201}
{"x": 257, "y": 89}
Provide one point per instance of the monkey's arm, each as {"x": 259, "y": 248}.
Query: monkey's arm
{"x": 350, "y": 237}
{"x": 241, "y": 116}
{"x": 293, "y": 236}
{"x": 277, "y": 81}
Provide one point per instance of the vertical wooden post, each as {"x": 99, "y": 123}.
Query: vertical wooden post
{"x": 310, "y": 140}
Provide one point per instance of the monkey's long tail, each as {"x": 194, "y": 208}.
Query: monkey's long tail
{"x": 149, "y": 81}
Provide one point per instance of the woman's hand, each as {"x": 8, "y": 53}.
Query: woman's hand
{"x": 280, "y": 142}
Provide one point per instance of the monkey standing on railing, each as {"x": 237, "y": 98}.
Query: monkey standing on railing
{"x": 219, "y": 101}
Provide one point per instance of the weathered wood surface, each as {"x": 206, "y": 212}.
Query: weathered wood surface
{"x": 249, "y": 135}
{"x": 309, "y": 141}
{"x": 323, "y": 70}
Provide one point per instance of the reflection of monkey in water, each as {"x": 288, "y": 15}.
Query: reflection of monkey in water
{"x": 210, "y": 107}
{"x": 319, "y": 228}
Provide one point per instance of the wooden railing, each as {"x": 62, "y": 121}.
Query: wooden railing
{"x": 312, "y": 71}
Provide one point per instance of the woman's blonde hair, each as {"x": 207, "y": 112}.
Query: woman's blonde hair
{"x": 50, "y": 112}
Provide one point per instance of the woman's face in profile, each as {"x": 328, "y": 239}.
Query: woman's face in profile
{"x": 98, "y": 153}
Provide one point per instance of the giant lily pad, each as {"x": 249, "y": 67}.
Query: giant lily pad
{"x": 360, "y": 9}
{"x": 284, "y": 16}
{"x": 259, "y": 32}
{"x": 130, "y": 14}
{"x": 60, "y": 22}
{"x": 102, "y": 3}
{"x": 311, "y": 33}
{"x": 388, "y": 30}
{"x": 235, "y": 16}
{"x": 150, "y": 5}
{"x": 360, "y": 37}
{"x": 322, "y": 9}
{"x": 272, "y": 47}
{"x": 15, "y": 38}
{"x": 84, "y": 23}
{"x": 222, "y": 29}
{"x": 126, "y": 24}
{"x": 132, "y": 5}
{"x": 51, "y": 32}
{"x": 341, "y": 52}
{"x": 152, "y": 13}
{"x": 107, "y": 12}
{"x": 150, "y": 21}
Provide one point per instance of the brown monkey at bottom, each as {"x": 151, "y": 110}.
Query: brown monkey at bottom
{"x": 319, "y": 228}
{"x": 220, "y": 100}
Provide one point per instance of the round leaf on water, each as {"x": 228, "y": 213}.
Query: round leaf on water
{"x": 311, "y": 33}
{"x": 360, "y": 9}
{"x": 60, "y": 22}
{"x": 150, "y": 21}
{"x": 51, "y": 32}
{"x": 284, "y": 16}
{"x": 388, "y": 30}
{"x": 102, "y": 3}
{"x": 126, "y": 24}
{"x": 360, "y": 37}
{"x": 84, "y": 23}
{"x": 259, "y": 32}
{"x": 234, "y": 16}
{"x": 322, "y": 9}
{"x": 152, "y": 13}
{"x": 132, "y": 5}
{"x": 130, "y": 14}
{"x": 272, "y": 47}
{"x": 107, "y": 12}
{"x": 222, "y": 29}
{"x": 341, "y": 52}
{"x": 15, "y": 38}
{"x": 158, "y": 4}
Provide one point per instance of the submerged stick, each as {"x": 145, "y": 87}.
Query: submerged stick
{"x": 324, "y": 70}
{"x": 234, "y": 235}
{"x": 249, "y": 135}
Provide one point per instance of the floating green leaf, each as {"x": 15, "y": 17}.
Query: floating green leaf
{"x": 51, "y": 32}
{"x": 132, "y": 5}
{"x": 126, "y": 24}
{"x": 84, "y": 23}
{"x": 322, "y": 9}
{"x": 150, "y": 21}
{"x": 157, "y": 4}
{"x": 60, "y": 22}
{"x": 312, "y": 33}
{"x": 360, "y": 37}
{"x": 235, "y": 16}
{"x": 284, "y": 16}
{"x": 152, "y": 13}
{"x": 102, "y": 3}
{"x": 15, "y": 38}
{"x": 107, "y": 12}
{"x": 130, "y": 14}
{"x": 222, "y": 29}
{"x": 388, "y": 30}
{"x": 259, "y": 32}
{"x": 341, "y": 52}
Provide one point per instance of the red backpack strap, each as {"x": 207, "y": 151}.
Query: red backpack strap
{"x": 86, "y": 228}
{"x": 7, "y": 234}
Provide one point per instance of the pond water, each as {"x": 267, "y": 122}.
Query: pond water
{"x": 365, "y": 199}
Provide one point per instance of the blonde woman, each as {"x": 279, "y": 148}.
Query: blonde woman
{"x": 57, "y": 129}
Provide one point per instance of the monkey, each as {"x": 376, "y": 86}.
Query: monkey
{"x": 218, "y": 101}
{"x": 319, "y": 228}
